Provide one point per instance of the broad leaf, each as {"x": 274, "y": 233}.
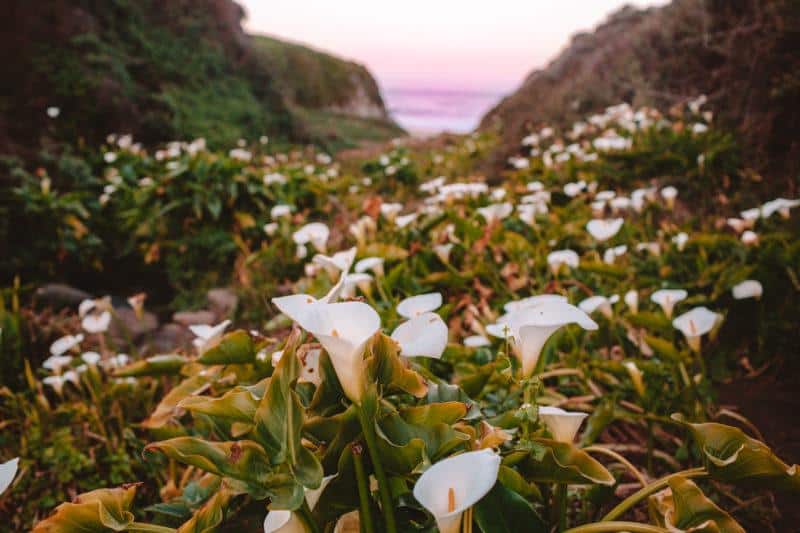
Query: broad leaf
{"x": 168, "y": 409}
{"x": 691, "y": 511}
{"x": 387, "y": 368}
{"x": 237, "y": 405}
{"x": 98, "y": 511}
{"x": 504, "y": 511}
{"x": 157, "y": 365}
{"x": 210, "y": 515}
{"x": 233, "y": 348}
{"x": 563, "y": 462}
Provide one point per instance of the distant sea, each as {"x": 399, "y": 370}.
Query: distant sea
{"x": 431, "y": 111}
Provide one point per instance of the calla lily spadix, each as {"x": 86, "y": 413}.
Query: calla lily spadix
{"x": 532, "y": 326}
{"x": 696, "y": 323}
{"x": 602, "y": 230}
{"x": 7, "y": 472}
{"x": 422, "y": 336}
{"x": 343, "y": 329}
{"x": 453, "y": 485}
{"x": 667, "y": 298}
{"x": 422, "y": 303}
{"x": 563, "y": 425}
{"x": 749, "y": 288}
{"x": 283, "y": 521}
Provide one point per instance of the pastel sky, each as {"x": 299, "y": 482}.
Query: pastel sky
{"x": 470, "y": 44}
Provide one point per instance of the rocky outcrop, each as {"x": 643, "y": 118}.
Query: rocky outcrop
{"x": 743, "y": 55}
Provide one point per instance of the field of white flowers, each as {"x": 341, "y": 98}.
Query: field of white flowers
{"x": 411, "y": 346}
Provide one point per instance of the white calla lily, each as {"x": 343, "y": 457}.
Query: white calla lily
{"x": 667, "y": 298}
{"x": 343, "y": 329}
{"x": 495, "y": 212}
{"x": 476, "y": 341}
{"x": 602, "y": 229}
{"x": 422, "y": 336}
{"x": 453, "y": 485}
{"x": 632, "y": 301}
{"x": 336, "y": 263}
{"x": 558, "y": 258}
{"x": 65, "y": 344}
{"x": 96, "y": 322}
{"x": 563, "y": 425}
{"x": 8, "y": 471}
{"x": 696, "y": 323}
{"x": 749, "y": 288}
{"x": 532, "y": 326}
{"x": 599, "y": 303}
{"x": 533, "y": 301}
{"x": 422, "y": 303}
{"x": 375, "y": 264}
{"x": 315, "y": 233}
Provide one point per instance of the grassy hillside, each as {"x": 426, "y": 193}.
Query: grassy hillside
{"x": 743, "y": 55}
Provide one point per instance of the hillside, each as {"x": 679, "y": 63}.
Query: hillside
{"x": 743, "y": 55}
{"x": 166, "y": 70}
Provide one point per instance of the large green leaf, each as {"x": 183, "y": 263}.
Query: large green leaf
{"x": 552, "y": 461}
{"x": 233, "y": 348}
{"x": 504, "y": 511}
{"x": 693, "y": 512}
{"x": 279, "y": 420}
{"x": 336, "y": 432}
{"x": 157, "y": 365}
{"x": 236, "y": 405}
{"x": 98, "y": 511}
{"x": 168, "y": 410}
{"x": 387, "y": 368}
{"x": 210, "y": 515}
{"x": 419, "y": 434}
{"x": 445, "y": 392}
{"x": 732, "y": 456}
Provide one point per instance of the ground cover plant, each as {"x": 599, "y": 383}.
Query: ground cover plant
{"x": 415, "y": 347}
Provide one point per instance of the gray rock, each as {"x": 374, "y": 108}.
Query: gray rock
{"x": 222, "y": 301}
{"x": 192, "y": 318}
{"x": 126, "y": 327}
{"x": 169, "y": 338}
{"x": 61, "y": 295}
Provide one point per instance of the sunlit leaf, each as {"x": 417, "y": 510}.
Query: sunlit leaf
{"x": 96, "y": 511}
{"x": 233, "y": 348}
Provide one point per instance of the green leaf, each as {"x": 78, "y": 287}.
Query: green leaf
{"x": 210, "y": 515}
{"x": 279, "y": 420}
{"x": 504, "y": 511}
{"x": 236, "y": 405}
{"x": 563, "y": 462}
{"x": 445, "y": 392}
{"x": 157, "y": 365}
{"x": 732, "y": 456}
{"x": 168, "y": 410}
{"x": 696, "y": 513}
{"x": 98, "y": 511}
{"x": 233, "y": 348}
{"x": 388, "y": 369}
{"x": 513, "y": 480}
{"x": 664, "y": 348}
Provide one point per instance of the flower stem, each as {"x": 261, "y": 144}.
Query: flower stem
{"x": 614, "y": 527}
{"x": 364, "y": 511}
{"x": 308, "y": 518}
{"x": 644, "y": 492}
{"x": 561, "y": 506}
{"x": 368, "y": 428}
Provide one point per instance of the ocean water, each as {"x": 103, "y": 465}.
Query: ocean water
{"x": 430, "y": 111}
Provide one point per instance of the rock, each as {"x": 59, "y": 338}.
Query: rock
{"x": 169, "y": 338}
{"x": 126, "y": 327}
{"x": 61, "y": 295}
{"x": 222, "y": 301}
{"x": 192, "y": 318}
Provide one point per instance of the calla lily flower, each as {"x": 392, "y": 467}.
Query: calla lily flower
{"x": 738, "y": 224}
{"x": 96, "y": 322}
{"x": 667, "y": 298}
{"x": 610, "y": 255}
{"x": 361, "y": 280}
{"x": 343, "y": 329}
{"x": 696, "y": 323}
{"x": 206, "y": 335}
{"x": 442, "y": 251}
{"x": 65, "y": 344}
{"x": 283, "y": 521}
{"x": 391, "y": 210}
{"x": 680, "y": 240}
{"x": 749, "y": 238}
{"x": 533, "y": 301}
{"x": 632, "y": 301}
{"x": 375, "y": 264}
{"x": 495, "y": 212}
{"x": 55, "y": 363}
{"x": 599, "y": 303}
{"x": 91, "y": 358}
{"x": 781, "y": 205}
{"x": 85, "y": 306}
{"x": 422, "y": 336}
{"x": 532, "y": 326}
{"x": 669, "y": 194}
{"x": 562, "y": 257}
{"x": 7, "y": 472}
{"x": 336, "y": 263}
{"x": 636, "y": 376}
{"x": 404, "y": 220}
{"x": 476, "y": 341}
{"x": 315, "y": 233}
{"x": 748, "y": 289}
{"x": 280, "y": 211}
{"x": 294, "y": 305}
{"x": 455, "y": 484}
{"x": 602, "y": 230}
{"x": 563, "y": 425}
{"x": 414, "y": 306}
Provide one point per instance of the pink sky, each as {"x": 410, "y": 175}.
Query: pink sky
{"x": 470, "y": 44}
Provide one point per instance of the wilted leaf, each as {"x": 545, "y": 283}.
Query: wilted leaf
{"x": 98, "y": 511}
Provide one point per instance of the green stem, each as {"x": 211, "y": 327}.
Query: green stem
{"x": 614, "y": 527}
{"x": 364, "y": 511}
{"x": 368, "y": 428}
{"x": 138, "y": 527}
{"x": 652, "y": 488}
{"x": 305, "y": 513}
{"x": 650, "y": 443}
{"x": 561, "y": 506}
